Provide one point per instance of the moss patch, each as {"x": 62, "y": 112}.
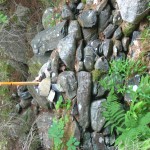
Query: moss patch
{"x": 128, "y": 28}
{"x": 96, "y": 74}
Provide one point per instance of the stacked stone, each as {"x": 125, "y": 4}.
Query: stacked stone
{"x": 84, "y": 42}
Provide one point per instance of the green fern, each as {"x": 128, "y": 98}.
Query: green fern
{"x": 139, "y": 130}
{"x": 114, "y": 113}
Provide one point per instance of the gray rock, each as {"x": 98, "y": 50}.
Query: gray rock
{"x": 117, "y": 47}
{"x": 67, "y": 48}
{"x": 107, "y": 131}
{"x": 48, "y": 39}
{"x": 25, "y": 95}
{"x": 72, "y": 5}
{"x": 106, "y": 139}
{"x": 79, "y": 52}
{"x": 134, "y": 81}
{"x": 118, "y": 33}
{"x": 98, "y": 141}
{"x": 113, "y": 3}
{"x": 87, "y": 141}
{"x": 47, "y": 17}
{"x": 84, "y": 98}
{"x": 54, "y": 65}
{"x": 98, "y": 90}
{"x": 121, "y": 55}
{"x": 103, "y": 19}
{"x": 88, "y": 63}
{"x": 111, "y": 148}
{"x": 89, "y": 58}
{"x": 21, "y": 89}
{"x": 125, "y": 43}
{"x": 102, "y": 64}
{"x": 95, "y": 45}
{"x": 90, "y": 34}
{"x": 67, "y": 81}
{"x": 112, "y": 139}
{"x": 18, "y": 108}
{"x": 108, "y": 32}
{"x": 88, "y": 18}
{"x": 117, "y": 20}
{"x": 67, "y": 13}
{"x": 43, "y": 122}
{"x": 75, "y": 29}
{"x": 130, "y": 10}
{"x": 135, "y": 35}
{"x": 25, "y": 103}
{"x": 107, "y": 47}
{"x": 79, "y": 65}
{"x": 80, "y": 6}
{"x": 44, "y": 87}
{"x": 97, "y": 120}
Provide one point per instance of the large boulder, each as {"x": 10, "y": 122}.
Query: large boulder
{"x": 84, "y": 98}
{"x": 66, "y": 50}
{"x": 133, "y": 11}
{"x": 97, "y": 119}
{"x": 48, "y": 39}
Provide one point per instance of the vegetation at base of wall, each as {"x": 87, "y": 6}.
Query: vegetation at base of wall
{"x": 57, "y": 130}
{"x": 131, "y": 123}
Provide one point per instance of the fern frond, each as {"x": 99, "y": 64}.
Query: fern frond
{"x": 114, "y": 114}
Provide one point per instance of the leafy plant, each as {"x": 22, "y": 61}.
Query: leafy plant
{"x": 136, "y": 127}
{"x": 57, "y": 130}
{"x": 60, "y": 104}
{"x": 114, "y": 113}
{"x": 131, "y": 125}
{"x": 72, "y": 143}
{"x": 120, "y": 71}
{"x": 3, "y": 18}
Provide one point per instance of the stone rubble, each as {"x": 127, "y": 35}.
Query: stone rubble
{"x": 86, "y": 40}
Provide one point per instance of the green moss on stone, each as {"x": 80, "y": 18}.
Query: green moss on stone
{"x": 128, "y": 28}
{"x": 96, "y": 74}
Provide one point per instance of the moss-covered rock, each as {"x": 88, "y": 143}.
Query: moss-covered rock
{"x": 128, "y": 28}
{"x": 96, "y": 74}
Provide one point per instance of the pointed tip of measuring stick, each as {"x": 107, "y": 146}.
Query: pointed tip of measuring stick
{"x": 19, "y": 83}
